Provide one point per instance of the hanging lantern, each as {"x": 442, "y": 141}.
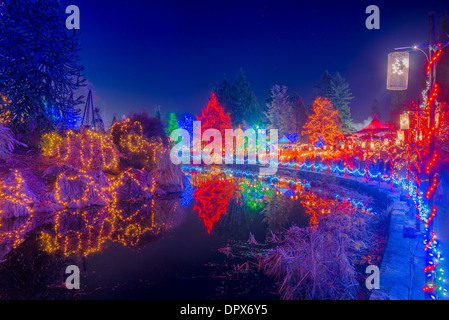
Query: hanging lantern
{"x": 398, "y": 69}
{"x": 372, "y": 145}
{"x": 404, "y": 121}
{"x": 400, "y": 135}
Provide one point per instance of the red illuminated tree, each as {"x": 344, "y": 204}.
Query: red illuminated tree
{"x": 323, "y": 123}
{"x": 214, "y": 117}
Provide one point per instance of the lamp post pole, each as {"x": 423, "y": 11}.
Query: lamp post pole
{"x": 432, "y": 122}
{"x": 432, "y": 76}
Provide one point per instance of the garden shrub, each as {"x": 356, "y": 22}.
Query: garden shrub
{"x": 152, "y": 128}
{"x": 136, "y": 149}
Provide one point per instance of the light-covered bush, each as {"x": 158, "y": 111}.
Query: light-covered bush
{"x": 86, "y": 150}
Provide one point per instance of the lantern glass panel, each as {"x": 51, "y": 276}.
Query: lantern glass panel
{"x": 398, "y": 70}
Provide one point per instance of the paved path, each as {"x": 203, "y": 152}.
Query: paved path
{"x": 402, "y": 270}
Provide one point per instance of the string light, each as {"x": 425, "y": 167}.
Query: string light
{"x": 87, "y": 150}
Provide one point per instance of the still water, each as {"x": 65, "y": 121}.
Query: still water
{"x": 186, "y": 247}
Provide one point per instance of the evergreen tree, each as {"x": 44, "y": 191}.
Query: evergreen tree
{"x": 301, "y": 113}
{"x": 225, "y": 93}
{"x": 323, "y": 123}
{"x": 246, "y": 102}
{"x": 213, "y": 116}
{"x": 280, "y": 111}
{"x": 285, "y": 113}
{"x": 39, "y": 65}
{"x": 186, "y": 123}
{"x": 341, "y": 96}
{"x": 172, "y": 123}
{"x": 336, "y": 89}
{"x": 323, "y": 89}
{"x": 238, "y": 100}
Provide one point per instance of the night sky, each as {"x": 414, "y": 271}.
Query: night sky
{"x": 140, "y": 54}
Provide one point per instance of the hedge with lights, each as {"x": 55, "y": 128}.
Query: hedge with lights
{"x": 86, "y": 150}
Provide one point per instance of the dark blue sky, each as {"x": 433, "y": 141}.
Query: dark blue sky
{"x": 139, "y": 54}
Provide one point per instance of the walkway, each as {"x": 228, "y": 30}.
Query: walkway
{"x": 402, "y": 274}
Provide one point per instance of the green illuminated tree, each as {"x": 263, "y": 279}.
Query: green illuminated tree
{"x": 172, "y": 123}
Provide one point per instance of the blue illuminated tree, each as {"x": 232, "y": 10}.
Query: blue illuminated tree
{"x": 187, "y": 195}
{"x": 39, "y": 66}
{"x": 186, "y": 122}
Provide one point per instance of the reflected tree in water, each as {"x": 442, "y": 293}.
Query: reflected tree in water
{"x": 211, "y": 199}
{"x": 82, "y": 233}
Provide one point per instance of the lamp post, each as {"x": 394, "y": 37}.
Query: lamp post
{"x": 398, "y": 69}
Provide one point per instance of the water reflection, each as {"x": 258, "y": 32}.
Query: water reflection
{"x": 85, "y": 232}
{"x": 215, "y": 208}
{"x": 212, "y": 196}
{"x": 13, "y": 232}
{"x": 280, "y": 200}
{"x": 217, "y": 197}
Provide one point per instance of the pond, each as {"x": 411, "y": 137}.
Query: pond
{"x": 198, "y": 245}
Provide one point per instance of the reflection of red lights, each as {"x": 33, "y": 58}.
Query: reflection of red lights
{"x": 318, "y": 207}
{"x": 211, "y": 200}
